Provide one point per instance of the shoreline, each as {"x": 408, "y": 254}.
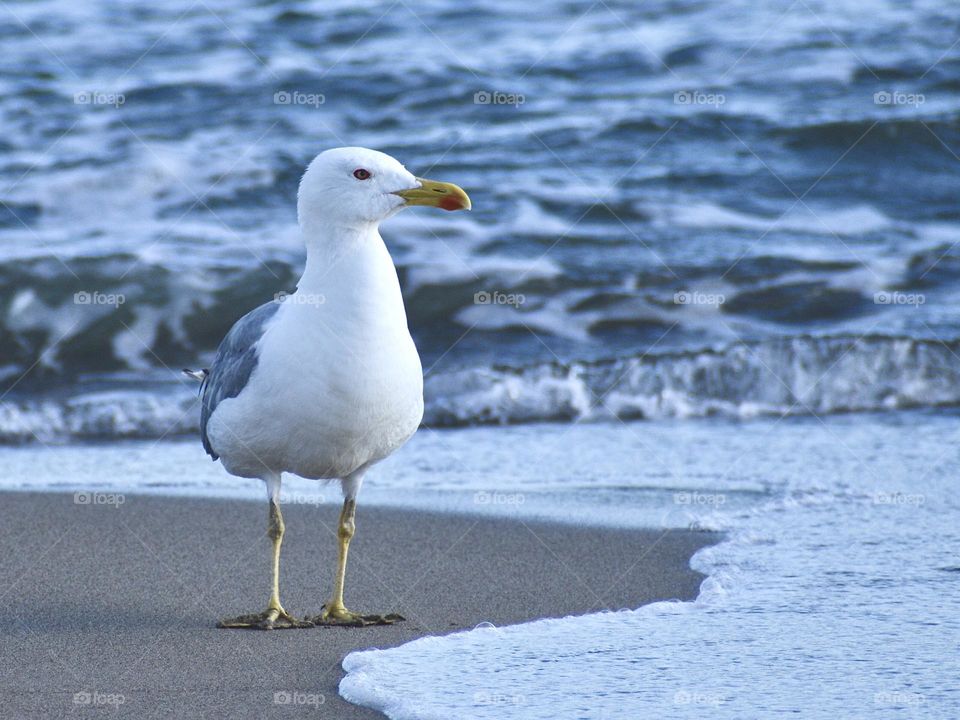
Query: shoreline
{"x": 119, "y": 603}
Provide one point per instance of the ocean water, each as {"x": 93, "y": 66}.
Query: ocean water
{"x": 715, "y": 196}
{"x": 710, "y": 281}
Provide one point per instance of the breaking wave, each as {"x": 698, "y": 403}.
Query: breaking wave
{"x": 784, "y": 376}
{"x": 799, "y": 375}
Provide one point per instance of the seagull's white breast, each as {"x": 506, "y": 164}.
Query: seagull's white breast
{"x": 338, "y": 383}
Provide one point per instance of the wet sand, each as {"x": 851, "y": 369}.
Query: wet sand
{"x": 111, "y": 609}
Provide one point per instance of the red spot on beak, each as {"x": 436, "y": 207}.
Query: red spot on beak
{"x": 451, "y": 203}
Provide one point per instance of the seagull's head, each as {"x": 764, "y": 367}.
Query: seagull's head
{"x": 354, "y": 187}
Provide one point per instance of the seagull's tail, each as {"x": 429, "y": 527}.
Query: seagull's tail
{"x": 199, "y": 375}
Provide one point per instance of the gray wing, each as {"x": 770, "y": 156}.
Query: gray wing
{"x": 236, "y": 358}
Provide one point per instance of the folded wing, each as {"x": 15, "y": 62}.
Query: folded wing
{"x": 235, "y": 361}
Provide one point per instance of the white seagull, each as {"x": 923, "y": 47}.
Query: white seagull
{"x": 328, "y": 381}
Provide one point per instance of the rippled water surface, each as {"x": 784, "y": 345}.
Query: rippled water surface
{"x": 670, "y": 176}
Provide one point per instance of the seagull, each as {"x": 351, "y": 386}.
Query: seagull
{"x": 325, "y": 382}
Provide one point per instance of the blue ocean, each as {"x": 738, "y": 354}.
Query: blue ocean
{"x": 710, "y": 280}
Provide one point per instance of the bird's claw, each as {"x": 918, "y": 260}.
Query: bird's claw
{"x": 270, "y": 619}
{"x": 341, "y": 617}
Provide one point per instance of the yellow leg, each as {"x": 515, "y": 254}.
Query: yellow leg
{"x": 274, "y": 617}
{"x": 345, "y": 531}
{"x": 275, "y": 531}
{"x": 335, "y": 612}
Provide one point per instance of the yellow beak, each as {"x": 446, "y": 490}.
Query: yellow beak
{"x": 436, "y": 194}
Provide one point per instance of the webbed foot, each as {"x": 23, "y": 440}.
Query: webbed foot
{"x": 273, "y": 618}
{"x": 341, "y": 617}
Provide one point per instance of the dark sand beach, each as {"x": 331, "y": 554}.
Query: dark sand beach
{"x": 119, "y": 603}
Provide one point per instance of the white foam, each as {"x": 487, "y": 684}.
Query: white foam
{"x": 854, "y": 220}
{"x": 824, "y": 602}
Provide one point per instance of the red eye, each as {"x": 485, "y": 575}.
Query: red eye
{"x": 361, "y": 174}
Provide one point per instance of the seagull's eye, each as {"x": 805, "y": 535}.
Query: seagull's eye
{"x": 361, "y": 174}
